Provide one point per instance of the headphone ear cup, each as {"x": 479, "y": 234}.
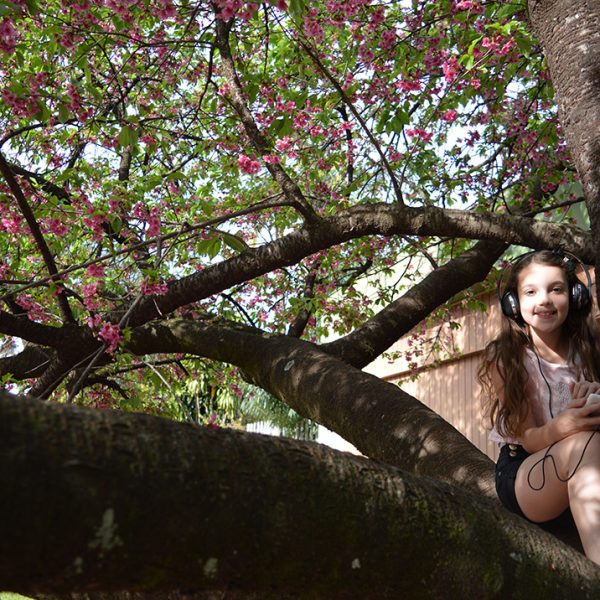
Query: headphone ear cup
{"x": 510, "y": 305}
{"x": 580, "y": 296}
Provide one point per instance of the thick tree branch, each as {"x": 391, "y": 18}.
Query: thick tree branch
{"x": 22, "y": 327}
{"x": 104, "y": 475}
{"x": 366, "y": 343}
{"x": 373, "y": 219}
{"x": 359, "y": 221}
{"x": 55, "y": 373}
{"x": 377, "y": 417}
{"x": 290, "y": 249}
{"x": 31, "y": 362}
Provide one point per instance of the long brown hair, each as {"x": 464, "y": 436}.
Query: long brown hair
{"x": 506, "y": 352}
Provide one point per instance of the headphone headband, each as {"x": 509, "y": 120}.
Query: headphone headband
{"x": 579, "y": 294}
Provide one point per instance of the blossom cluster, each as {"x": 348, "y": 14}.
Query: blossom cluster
{"x": 228, "y": 9}
{"x": 8, "y": 35}
{"x": 109, "y": 333}
{"x": 248, "y": 165}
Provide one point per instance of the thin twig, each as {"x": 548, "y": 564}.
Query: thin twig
{"x": 37, "y": 236}
{"x": 183, "y": 230}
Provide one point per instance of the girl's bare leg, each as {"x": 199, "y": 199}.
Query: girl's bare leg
{"x": 546, "y": 487}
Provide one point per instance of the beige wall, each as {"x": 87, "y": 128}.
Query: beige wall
{"x": 447, "y": 369}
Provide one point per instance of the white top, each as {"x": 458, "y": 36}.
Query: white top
{"x": 544, "y": 375}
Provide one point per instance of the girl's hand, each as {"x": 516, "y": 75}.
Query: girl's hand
{"x": 580, "y": 390}
{"x": 577, "y": 416}
{"x": 575, "y": 419}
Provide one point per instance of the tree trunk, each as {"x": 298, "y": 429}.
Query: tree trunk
{"x": 102, "y": 500}
{"x": 570, "y": 35}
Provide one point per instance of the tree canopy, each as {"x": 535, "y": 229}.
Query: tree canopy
{"x": 193, "y": 188}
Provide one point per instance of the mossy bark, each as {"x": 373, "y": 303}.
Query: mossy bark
{"x": 102, "y": 500}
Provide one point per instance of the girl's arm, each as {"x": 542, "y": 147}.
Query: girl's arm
{"x": 576, "y": 417}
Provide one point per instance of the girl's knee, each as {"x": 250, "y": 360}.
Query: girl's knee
{"x": 580, "y": 445}
{"x": 583, "y": 438}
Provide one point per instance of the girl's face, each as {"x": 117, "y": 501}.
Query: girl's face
{"x": 543, "y": 297}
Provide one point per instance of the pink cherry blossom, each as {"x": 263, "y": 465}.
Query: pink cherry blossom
{"x": 247, "y": 165}
{"x": 450, "y": 68}
{"x": 57, "y": 227}
{"x": 111, "y": 335}
{"x": 8, "y": 36}
{"x": 469, "y": 5}
{"x": 229, "y": 8}
{"x": 449, "y": 116}
{"x": 89, "y": 289}
{"x": 11, "y": 224}
{"x": 153, "y": 288}
{"x": 153, "y": 224}
{"x": 388, "y": 37}
{"x": 420, "y": 133}
{"x": 409, "y": 86}
{"x": 312, "y": 28}
{"x": 212, "y": 421}
{"x": 283, "y": 144}
{"x": 271, "y": 159}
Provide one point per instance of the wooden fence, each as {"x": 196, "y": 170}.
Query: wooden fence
{"x": 445, "y": 378}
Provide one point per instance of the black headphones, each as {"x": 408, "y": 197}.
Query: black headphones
{"x": 579, "y": 294}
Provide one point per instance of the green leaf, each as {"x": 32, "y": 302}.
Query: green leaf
{"x": 398, "y": 121}
{"x": 151, "y": 182}
{"x": 32, "y": 7}
{"x": 63, "y": 113}
{"x": 235, "y": 243}
{"x": 9, "y": 8}
{"x": 176, "y": 176}
{"x": 296, "y": 8}
{"x": 209, "y": 247}
{"x": 127, "y": 136}
{"x": 115, "y": 222}
{"x": 383, "y": 119}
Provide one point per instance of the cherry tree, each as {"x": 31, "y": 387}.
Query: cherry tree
{"x": 188, "y": 184}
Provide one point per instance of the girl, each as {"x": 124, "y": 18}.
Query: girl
{"x": 536, "y": 377}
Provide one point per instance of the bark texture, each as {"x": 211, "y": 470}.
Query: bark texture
{"x": 145, "y": 504}
{"x": 380, "y": 419}
{"x": 378, "y": 334}
{"x": 570, "y": 35}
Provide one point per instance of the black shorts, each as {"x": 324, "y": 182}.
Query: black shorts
{"x": 510, "y": 459}
{"x": 506, "y": 473}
